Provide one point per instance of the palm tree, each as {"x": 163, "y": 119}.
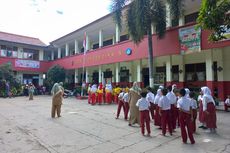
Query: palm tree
{"x": 140, "y": 16}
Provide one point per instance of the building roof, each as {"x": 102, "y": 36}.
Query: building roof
{"x": 21, "y": 39}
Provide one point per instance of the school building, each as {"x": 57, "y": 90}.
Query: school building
{"x": 184, "y": 56}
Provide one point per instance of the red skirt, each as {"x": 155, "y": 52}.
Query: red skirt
{"x": 210, "y": 118}
{"x": 157, "y": 117}
{"x": 201, "y": 113}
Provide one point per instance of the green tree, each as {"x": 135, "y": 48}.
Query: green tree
{"x": 215, "y": 16}
{"x": 6, "y": 72}
{"x": 55, "y": 74}
{"x": 140, "y": 16}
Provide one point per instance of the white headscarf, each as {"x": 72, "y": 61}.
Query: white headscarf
{"x": 187, "y": 92}
{"x": 174, "y": 86}
{"x": 157, "y": 97}
{"x": 94, "y": 88}
{"x": 207, "y": 97}
{"x": 161, "y": 87}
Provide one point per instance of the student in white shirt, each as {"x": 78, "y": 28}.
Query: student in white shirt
{"x": 120, "y": 103}
{"x": 186, "y": 117}
{"x": 157, "y": 117}
{"x": 143, "y": 106}
{"x": 227, "y": 103}
{"x": 173, "y": 99}
{"x": 194, "y": 110}
{"x": 150, "y": 99}
{"x": 165, "y": 107}
{"x": 93, "y": 92}
{"x": 209, "y": 109}
{"x": 126, "y": 103}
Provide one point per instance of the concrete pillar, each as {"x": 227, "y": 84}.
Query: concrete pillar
{"x": 117, "y": 34}
{"x": 209, "y": 63}
{"x": 220, "y": 64}
{"x": 59, "y": 52}
{"x": 168, "y": 16}
{"x": 117, "y": 71}
{"x": 76, "y": 47}
{"x": 168, "y": 69}
{"x": 52, "y": 55}
{"x": 20, "y": 52}
{"x": 87, "y": 75}
{"x": 100, "y": 74}
{"x": 40, "y": 82}
{"x": 114, "y": 39}
{"x": 66, "y": 49}
{"x": 138, "y": 73}
{"x": 87, "y": 43}
{"x": 181, "y": 68}
{"x": 153, "y": 29}
{"x": 41, "y": 55}
{"x": 131, "y": 71}
{"x": 76, "y": 79}
{"x": 100, "y": 39}
{"x": 181, "y": 21}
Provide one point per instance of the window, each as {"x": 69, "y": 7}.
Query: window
{"x": 108, "y": 42}
{"x": 30, "y": 54}
{"x": 175, "y": 73}
{"x": 124, "y": 37}
{"x": 175, "y": 22}
{"x": 95, "y": 46}
{"x": 9, "y": 51}
{"x": 195, "y": 72}
{"x": 191, "y": 17}
{"x": 124, "y": 75}
{"x": 214, "y": 67}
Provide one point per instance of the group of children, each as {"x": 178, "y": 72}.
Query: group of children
{"x": 173, "y": 108}
{"x": 104, "y": 94}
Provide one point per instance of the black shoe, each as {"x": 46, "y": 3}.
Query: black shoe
{"x": 204, "y": 127}
{"x": 201, "y": 126}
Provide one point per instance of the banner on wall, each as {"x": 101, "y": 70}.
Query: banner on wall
{"x": 190, "y": 39}
{"x": 27, "y": 64}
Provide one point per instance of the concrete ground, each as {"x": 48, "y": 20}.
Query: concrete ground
{"x": 26, "y": 127}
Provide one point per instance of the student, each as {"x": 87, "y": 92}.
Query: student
{"x": 157, "y": 117}
{"x": 126, "y": 103}
{"x": 201, "y": 113}
{"x": 173, "y": 99}
{"x": 187, "y": 91}
{"x": 31, "y": 91}
{"x": 100, "y": 93}
{"x": 93, "y": 92}
{"x": 150, "y": 99}
{"x": 108, "y": 93}
{"x": 89, "y": 93}
{"x": 186, "y": 117}
{"x": 165, "y": 108}
{"x": 116, "y": 93}
{"x": 144, "y": 105}
{"x": 209, "y": 109}
{"x": 227, "y": 103}
{"x": 120, "y": 103}
{"x": 194, "y": 110}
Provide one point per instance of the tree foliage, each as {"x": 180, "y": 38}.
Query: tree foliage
{"x": 6, "y": 72}
{"x": 215, "y": 16}
{"x": 56, "y": 74}
{"x": 140, "y": 16}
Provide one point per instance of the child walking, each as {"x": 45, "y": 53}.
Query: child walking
{"x": 120, "y": 103}
{"x": 126, "y": 103}
{"x": 144, "y": 105}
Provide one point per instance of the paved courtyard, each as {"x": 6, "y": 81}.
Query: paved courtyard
{"x": 26, "y": 127}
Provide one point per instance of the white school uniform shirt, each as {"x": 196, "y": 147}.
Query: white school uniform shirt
{"x": 200, "y": 98}
{"x": 143, "y": 104}
{"x": 120, "y": 96}
{"x": 184, "y": 103}
{"x": 172, "y": 97}
{"x": 164, "y": 103}
{"x": 158, "y": 96}
{"x": 150, "y": 97}
{"x": 193, "y": 103}
{"x": 94, "y": 89}
{"x": 126, "y": 97}
{"x": 227, "y": 101}
{"x": 207, "y": 98}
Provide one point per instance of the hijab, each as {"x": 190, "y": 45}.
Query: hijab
{"x": 135, "y": 87}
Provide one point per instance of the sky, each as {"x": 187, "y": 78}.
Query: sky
{"x": 49, "y": 19}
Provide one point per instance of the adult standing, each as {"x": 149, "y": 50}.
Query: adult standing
{"x": 31, "y": 91}
{"x": 134, "y": 95}
{"x": 8, "y": 89}
{"x": 57, "y": 98}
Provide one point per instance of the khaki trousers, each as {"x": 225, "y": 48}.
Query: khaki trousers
{"x": 56, "y": 109}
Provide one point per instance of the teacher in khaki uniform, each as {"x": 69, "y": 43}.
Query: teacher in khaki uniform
{"x": 57, "y": 92}
{"x": 134, "y": 95}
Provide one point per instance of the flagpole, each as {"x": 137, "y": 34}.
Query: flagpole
{"x": 83, "y": 67}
